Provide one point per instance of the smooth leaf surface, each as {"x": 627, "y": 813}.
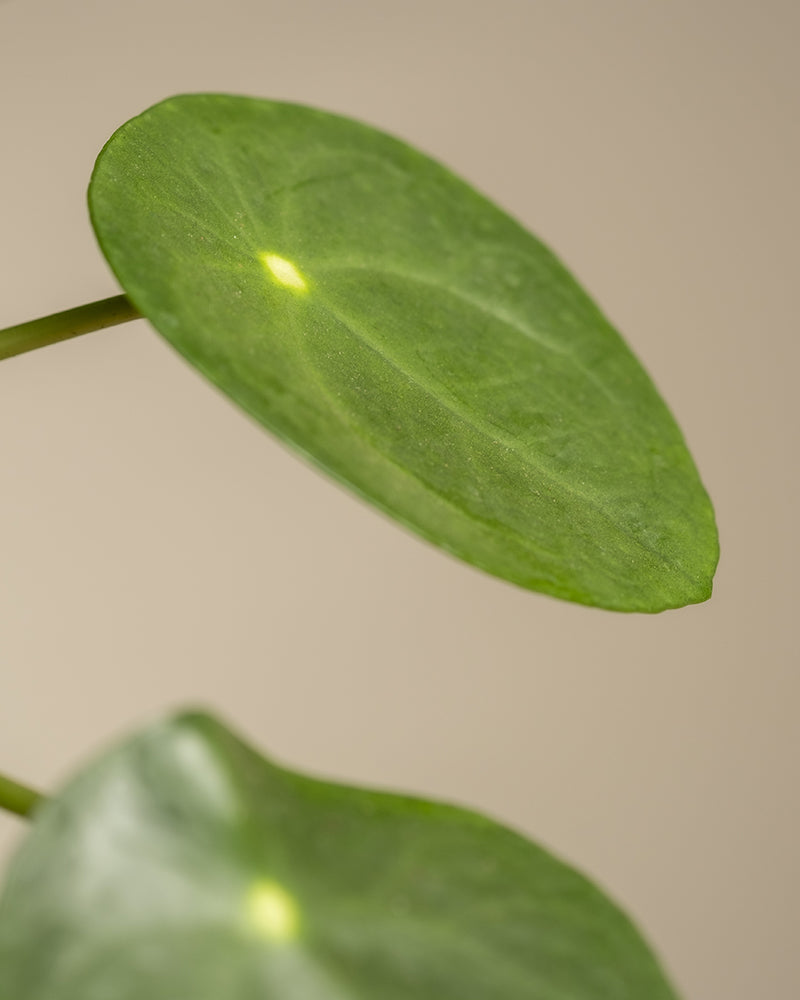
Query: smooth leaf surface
{"x": 183, "y": 864}
{"x": 406, "y": 335}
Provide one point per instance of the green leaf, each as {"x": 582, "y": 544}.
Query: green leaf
{"x": 406, "y": 335}
{"x": 184, "y": 865}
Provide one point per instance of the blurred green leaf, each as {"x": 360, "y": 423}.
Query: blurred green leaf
{"x": 406, "y": 335}
{"x": 184, "y": 865}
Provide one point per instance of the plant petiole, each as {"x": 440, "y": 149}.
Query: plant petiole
{"x": 17, "y": 798}
{"x": 63, "y": 325}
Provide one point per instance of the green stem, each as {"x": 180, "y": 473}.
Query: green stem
{"x": 17, "y": 798}
{"x": 63, "y": 325}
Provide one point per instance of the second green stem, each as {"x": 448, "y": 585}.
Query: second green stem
{"x": 17, "y": 798}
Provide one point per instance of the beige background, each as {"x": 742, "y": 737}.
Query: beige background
{"x": 158, "y": 549}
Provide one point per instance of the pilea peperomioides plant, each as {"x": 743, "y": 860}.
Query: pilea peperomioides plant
{"x": 404, "y": 334}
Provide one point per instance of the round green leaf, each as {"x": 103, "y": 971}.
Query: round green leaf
{"x": 184, "y": 865}
{"x": 406, "y": 335}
